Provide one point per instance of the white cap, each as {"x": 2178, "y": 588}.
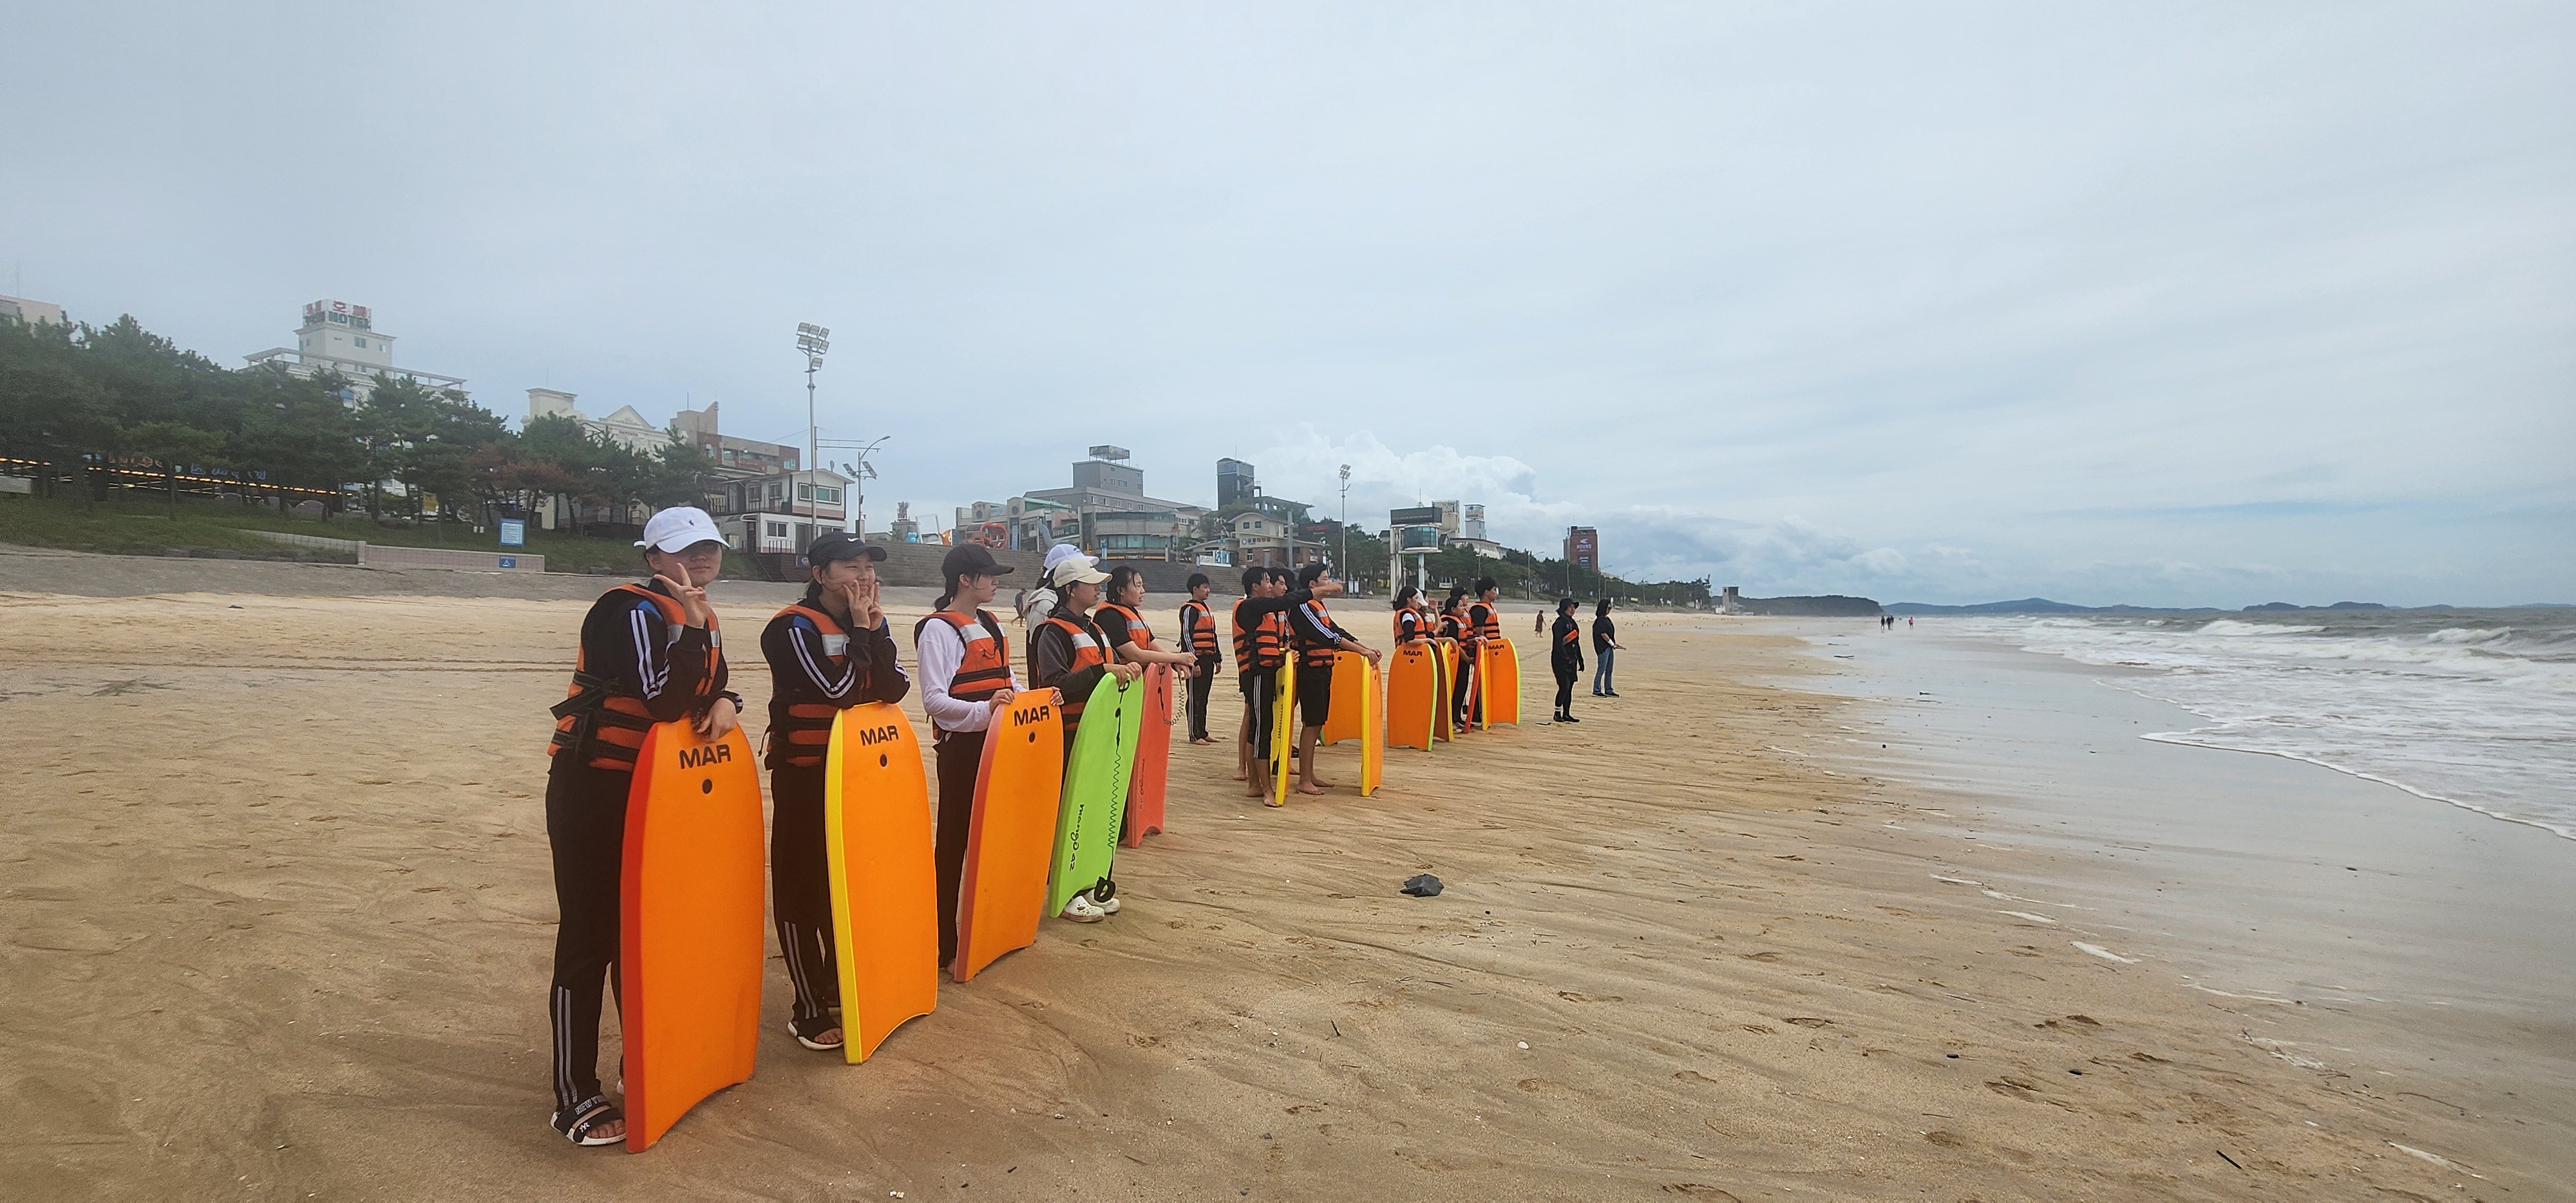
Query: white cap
{"x": 1076, "y": 569}
{"x": 679, "y": 527}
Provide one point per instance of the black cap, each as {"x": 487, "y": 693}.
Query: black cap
{"x": 971, "y": 559}
{"x": 842, "y": 545}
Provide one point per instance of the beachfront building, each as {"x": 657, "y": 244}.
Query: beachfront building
{"x": 782, "y": 513}
{"x": 1256, "y": 538}
{"x": 732, "y": 458}
{"x": 1583, "y": 547}
{"x": 337, "y": 336}
{"x": 34, "y": 313}
{"x": 1235, "y": 483}
{"x": 1108, "y": 514}
{"x": 626, "y": 428}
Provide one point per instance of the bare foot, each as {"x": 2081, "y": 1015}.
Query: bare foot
{"x": 1256, "y": 792}
{"x": 1239, "y": 775}
{"x": 1320, "y": 782}
{"x": 1308, "y": 787}
{"x": 1203, "y": 741}
{"x": 1267, "y": 800}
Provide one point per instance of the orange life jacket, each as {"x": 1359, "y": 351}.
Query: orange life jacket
{"x": 1202, "y": 634}
{"x": 1489, "y": 624}
{"x": 1259, "y": 649}
{"x": 1316, "y": 655}
{"x": 984, "y": 670}
{"x": 1136, "y": 628}
{"x": 1089, "y": 651}
{"x": 609, "y": 727}
{"x": 1408, "y": 626}
{"x": 800, "y": 732}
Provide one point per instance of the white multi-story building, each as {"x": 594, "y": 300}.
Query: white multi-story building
{"x": 340, "y": 337}
{"x": 34, "y": 313}
{"x": 625, "y": 427}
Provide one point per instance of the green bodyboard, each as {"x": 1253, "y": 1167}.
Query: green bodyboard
{"x": 1095, "y": 790}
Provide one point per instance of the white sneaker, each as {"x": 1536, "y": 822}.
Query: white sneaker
{"x": 1083, "y": 910}
{"x": 1110, "y": 907}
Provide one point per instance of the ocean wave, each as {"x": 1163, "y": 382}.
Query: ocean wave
{"x": 2455, "y": 707}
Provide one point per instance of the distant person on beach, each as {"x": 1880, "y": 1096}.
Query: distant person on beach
{"x": 1605, "y": 644}
{"x": 1261, "y": 651}
{"x": 1455, "y": 627}
{"x": 826, "y": 653}
{"x": 1565, "y": 655}
{"x": 649, "y": 653}
{"x": 965, "y": 665}
{"x": 1319, "y": 641}
{"x": 1198, "y": 638}
{"x": 1487, "y": 618}
{"x": 1538, "y": 622}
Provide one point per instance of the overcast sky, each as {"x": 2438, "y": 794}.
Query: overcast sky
{"x": 2151, "y": 303}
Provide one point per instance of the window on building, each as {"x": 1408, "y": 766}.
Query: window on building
{"x": 827, "y": 494}
{"x": 777, "y": 530}
{"x": 362, "y": 343}
{"x": 804, "y": 492}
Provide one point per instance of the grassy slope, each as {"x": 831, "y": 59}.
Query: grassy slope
{"x": 137, "y": 528}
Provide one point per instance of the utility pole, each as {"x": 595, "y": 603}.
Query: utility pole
{"x": 1342, "y": 555}
{"x": 813, "y": 340}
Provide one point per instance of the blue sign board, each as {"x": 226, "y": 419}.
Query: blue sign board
{"x": 509, "y": 561}
{"x": 514, "y": 533}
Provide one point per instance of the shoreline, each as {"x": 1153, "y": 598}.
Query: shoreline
{"x": 2424, "y": 945}
{"x": 293, "y": 847}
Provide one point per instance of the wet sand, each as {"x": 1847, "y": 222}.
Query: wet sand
{"x": 2361, "y": 931}
{"x": 278, "y": 918}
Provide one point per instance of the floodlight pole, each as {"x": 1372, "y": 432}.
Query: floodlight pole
{"x": 813, "y": 340}
{"x": 1342, "y": 531}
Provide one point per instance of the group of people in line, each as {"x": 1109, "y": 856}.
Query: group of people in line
{"x": 652, "y": 653}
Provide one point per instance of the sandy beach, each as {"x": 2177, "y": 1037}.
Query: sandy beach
{"x": 278, "y": 919}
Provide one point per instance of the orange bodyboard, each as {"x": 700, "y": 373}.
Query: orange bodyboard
{"x": 1012, "y": 837}
{"x": 1498, "y": 682}
{"x": 885, "y": 896}
{"x": 691, "y": 935}
{"x": 1152, "y": 775}
{"x": 1343, "y": 721}
{"x": 1412, "y": 691}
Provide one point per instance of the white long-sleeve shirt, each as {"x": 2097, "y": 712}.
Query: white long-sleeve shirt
{"x": 938, "y": 650}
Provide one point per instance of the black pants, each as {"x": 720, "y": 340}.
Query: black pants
{"x": 586, "y": 831}
{"x": 1260, "y": 697}
{"x": 1565, "y": 675}
{"x": 800, "y": 889}
{"x": 1202, "y": 683}
{"x": 960, "y": 756}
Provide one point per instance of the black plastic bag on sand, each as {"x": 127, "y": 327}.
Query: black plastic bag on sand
{"x": 1422, "y": 885}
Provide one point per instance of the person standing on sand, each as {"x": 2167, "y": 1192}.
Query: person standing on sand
{"x": 1565, "y": 655}
{"x": 1408, "y": 615}
{"x": 1123, "y": 624}
{"x": 966, "y": 679}
{"x": 1605, "y": 643}
{"x": 1455, "y": 627}
{"x": 1068, "y": 653}
{"x": 1198, "y": 638}
{"x": 649, "y": 653}
{"x": 1260, "y": 651}
{"x": 1487, "y": 618}
{"x": 1319, "y": 641}
{"x": 826, "y": 653}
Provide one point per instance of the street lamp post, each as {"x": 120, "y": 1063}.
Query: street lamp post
{"x": 813, "y": 340}
{"x": 1342, "y": 533}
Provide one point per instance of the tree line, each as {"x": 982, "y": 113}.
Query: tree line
{"x": 87, "y": 407}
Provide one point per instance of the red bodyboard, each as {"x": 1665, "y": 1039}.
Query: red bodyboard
{"x": 1152, "y": 774}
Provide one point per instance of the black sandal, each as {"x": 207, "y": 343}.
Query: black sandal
{"x": 818, "y": 1026}
{"x": 580, "y": 1124}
